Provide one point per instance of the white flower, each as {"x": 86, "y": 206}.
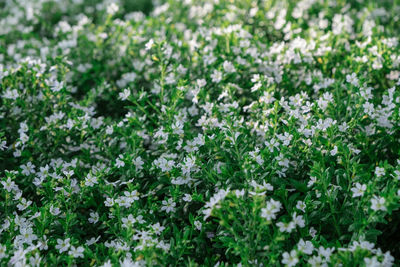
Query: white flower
{"x": 198, "y": 225}
{"x": 149, "y": 44}
{"x": 35, "y": 260}
{"x": 54, "y": 210}
{"x": 138, "y": 162}
{"x": 27, "y": 235}
{"x": 285, "y": 138}
{"x": 312, "y": 232}
{"x": 239, "y": 193}
{"x": 201, "y": 82}
{"x": 63, "y": 245}
{"x": 290, "y": 259}
{"x": 352, "y": 79}
{"x": 112, "y": 9}
{"x": 306, "y": 247}
{"x": 68, "y": 173}
{"x": 256, "y": 86}
{"x": 18, "y": 259}
{"x": 378, "y": 203}
{"x": 255, "y": 78}
{"x": 23, "y": 204}
{"x": 119, "y": 162}
{"x": 11, "y": 94}
{"x": 325, "y": 252}
{"x": 92, "y": 240}
{"x": 359, "y": 190}
{"x": 187, "y": 198}
{"x": 109, "y": 129}
{"x": 372, "y": 262}
{"x": 164, "y": 164}
{"x": 42, "y": 243}
{"x": 301, "y": 206}
{"x": 157, "y": 228}
{"x": 132, "y": 196}
{"x": 271, "y": 209}
{"x": 228, "y": 67}
{"x": 272, "y": 144}
{"x": 316, "y": 261}
{"x": 379, "y": 171}
{"x": 107, "y": 264}
{"x": 57, "y": 86}
{"x": 3, "y": 145}
{"x": 125, "y": 94}
{"x": 259, "y": 187}
{"x": 334, "y": 151}
{"x": 27, "y": 169}
{"x": 168, "y": 206}
{"x": 94, "y": 217}
{"x": 109, "y": 202}
{"x": 124, "y": 201}
{"x": 298, "y": 220}
{"x": 9, "y": 185}
{"x": 286, "y": 227}
{"x": 128, "y": 262}
{"x": 216, "y": 76}
{"x": 312, "y": 181}
{"x": 90, "y": 180}
{"x": 3, "y": 250}
{"x": 76, "y": 252}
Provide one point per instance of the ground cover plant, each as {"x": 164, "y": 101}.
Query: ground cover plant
{"x": 199, "y": 133}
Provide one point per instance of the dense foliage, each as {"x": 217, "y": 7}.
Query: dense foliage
{"x": 199, "y": 132}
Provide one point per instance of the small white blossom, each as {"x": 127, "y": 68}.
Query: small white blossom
{"x": 358, "y": 190}
{"x": 305, "y": 247}
{"x": 379, "y": 171}
{"x": 124, "y": 94}
{"x": 187, "y": 198}
{"x": 63, "y": 245}
{"x": 168, "y": 206}
{"x": 94, "y": 217}
{"x": 90, "y": 180}
{"x": 378, "y": 203}
{"x": 334, "y": 151}
{"x": 112, "y": 9}
{"x": 76, "y": 252}
{"x": 149, "y": 44}
{"x": 198, "y": 225}
{"x": 290, "y": 259}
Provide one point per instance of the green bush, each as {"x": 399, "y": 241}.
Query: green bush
{"x": 199, "y": 133}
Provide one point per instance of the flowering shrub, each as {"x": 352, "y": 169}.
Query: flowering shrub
{"x": 207, "y": 132}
